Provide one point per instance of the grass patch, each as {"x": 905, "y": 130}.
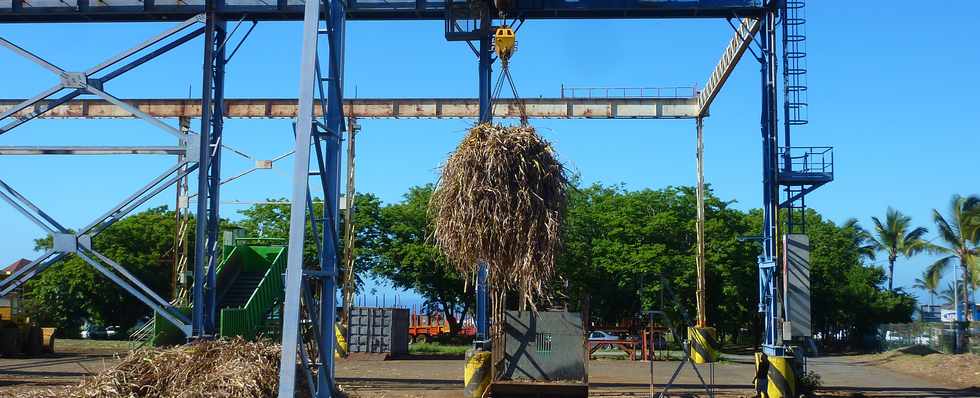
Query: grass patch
{"x": 82, "y": 345}
{"x": 437, "y": 349}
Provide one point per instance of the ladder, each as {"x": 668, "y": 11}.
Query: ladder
{"x": 794, "y": 68}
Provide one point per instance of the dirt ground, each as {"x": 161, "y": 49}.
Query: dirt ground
{"x": 842, "y": 376}
{"x": 73, "y": 361}
{"x": 848, "y": 376}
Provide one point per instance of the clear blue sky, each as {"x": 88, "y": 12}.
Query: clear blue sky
{"x": 892, "y": 87}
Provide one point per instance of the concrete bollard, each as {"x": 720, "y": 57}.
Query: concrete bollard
{"x": 476, "y": 376}
{"x": 781, "y": 381}
{"x": 704, "y": 344}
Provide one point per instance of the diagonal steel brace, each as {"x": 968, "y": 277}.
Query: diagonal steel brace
{"x": 83, "y": 82}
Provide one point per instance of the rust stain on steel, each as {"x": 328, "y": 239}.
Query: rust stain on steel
{"x": 380, "y": 108}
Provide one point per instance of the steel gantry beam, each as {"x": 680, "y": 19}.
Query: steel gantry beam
{"x": 136, "y": 10}
{"x": 379, "y": 108}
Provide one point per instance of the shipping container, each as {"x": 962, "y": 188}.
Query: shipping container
{"x": 378, "y": 330}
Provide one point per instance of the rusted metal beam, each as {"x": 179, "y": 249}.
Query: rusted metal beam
{"x": 736, "y": 47}
{"x": 96, "y": 150}
{"x": 408, "y": 108}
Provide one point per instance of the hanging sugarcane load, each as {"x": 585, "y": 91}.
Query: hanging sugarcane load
{"x": 498, "y": 210}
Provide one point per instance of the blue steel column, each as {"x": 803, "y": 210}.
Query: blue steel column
{"x": 486, "y": 116}
{"x": 767, "y": 261}
{"x": 482, "y": 298}
{"x": 486, "y": 72}
{"x": 209, "y": 176}
{"x": 297, "y": 218}
{"x": 328, "y": 260}
{"x": 217, "y": 130}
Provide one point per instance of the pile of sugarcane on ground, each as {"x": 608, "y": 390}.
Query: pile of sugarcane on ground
{"x": 501, "y": 201}
{"x": 223, "y": 368}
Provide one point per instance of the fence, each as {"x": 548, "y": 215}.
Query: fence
{"x": 939, "y": 336}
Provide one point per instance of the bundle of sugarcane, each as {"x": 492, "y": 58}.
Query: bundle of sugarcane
{"x": 235, "y": 368}
{"x": 501, "y": 200}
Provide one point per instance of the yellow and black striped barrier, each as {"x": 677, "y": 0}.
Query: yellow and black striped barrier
{"x": 781, "y": 381}
{"x": 341, "y": 350}
{"x": 476, "y": 377}
{"x": 704, "y": 344}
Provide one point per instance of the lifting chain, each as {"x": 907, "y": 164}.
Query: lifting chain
{"x": 505, "y": 44}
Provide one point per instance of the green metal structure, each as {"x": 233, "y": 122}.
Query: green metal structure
{"x": 250, "y": 291}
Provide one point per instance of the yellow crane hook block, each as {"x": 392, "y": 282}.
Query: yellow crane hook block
{"x": 505, "y": 41}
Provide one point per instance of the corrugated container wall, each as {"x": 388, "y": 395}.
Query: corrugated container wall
{"x": 378, "y": 330}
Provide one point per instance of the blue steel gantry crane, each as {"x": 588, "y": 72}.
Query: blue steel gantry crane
{"x": 795, "y": 171}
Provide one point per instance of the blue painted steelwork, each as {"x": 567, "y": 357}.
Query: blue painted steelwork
{"x": 317, "y": 288}
{"x": 335, "y": 128}
{"x": 767, "y": 260}
{"x": 205, "y": 305}
{"x": 486, "y": 116}
{"x": 148, "y": 10}
{"x": 482, "y": 304}
{"x": 92, "y": 81}
{"x": 800, "y": 170}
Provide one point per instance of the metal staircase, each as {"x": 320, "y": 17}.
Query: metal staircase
{"x": 240, "y": 291}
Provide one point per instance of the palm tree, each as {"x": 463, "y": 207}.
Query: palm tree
{"x": 961, "y": 234}
{"x": 948, "y": 294}
{"x": 929, "y": 284}
{"x": 894, "y": 238}
{"x": 862, "y": 239}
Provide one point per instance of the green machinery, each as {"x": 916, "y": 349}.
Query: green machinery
{"x": 250, "y": 292}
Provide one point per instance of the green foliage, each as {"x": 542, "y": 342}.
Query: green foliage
{"x": 960, "y": 235}
{"x": 439, "y": 349}
{"x": 928, "y": 283}
{"x": 272, "y": 221}
{"x": 619, "y": 243}
{"x": 895, "y": 237}
{"x": 808, "y": 383}
{"x": 846, "y": 295}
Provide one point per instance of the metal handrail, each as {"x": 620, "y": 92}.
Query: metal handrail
{"x": 629, "y": 92}
{"x": 807, "y": 159}
{"x": 142, "y": 335}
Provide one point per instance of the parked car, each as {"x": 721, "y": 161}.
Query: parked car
{"x": 94, "y": 332}
{"x": 599, "y": 335}
{"x": 659, "y": 342}
{"x": 112, "y": 332}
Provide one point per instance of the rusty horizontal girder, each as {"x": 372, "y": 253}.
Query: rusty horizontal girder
{"x": 408, "y": 108}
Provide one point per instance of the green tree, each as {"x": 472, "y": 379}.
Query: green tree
{"x": 272, "y": 221}
{"x": 846, "y": 296}
{"x": 960, "y": 235}
{"x": 862, "y": 239}
{"x": 406, "y": 256}
{"x": 948, "y": 295}
{"x": 619, "y": 244}
{"x": 929, "y": 284}
{"x": 896, "y": 237}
